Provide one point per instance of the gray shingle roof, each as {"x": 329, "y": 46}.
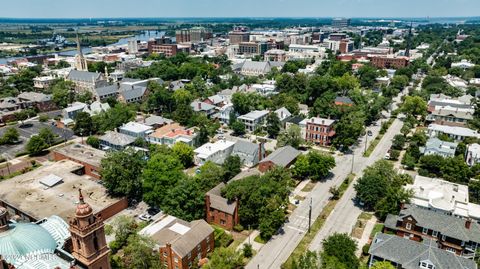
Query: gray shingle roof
{"x": 220, "y": 203}
{"x": 183, "y": 244}
{"x": 157, "y": 120}
{"x": 107, "y": 90}
{"x": 35, "y": 96}
{"x": 282, "y": 156}
{"x": 409, "y": 253}
{"x": 136, "y": 92}
{"x": 245, "y": 147}
{"x": 450, "y": 226}
{"x": 118, "y": 139}
{"x": 77, "y": 75}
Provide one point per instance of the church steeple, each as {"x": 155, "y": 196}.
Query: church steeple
{"x": 80, "y": 62}
{"x": 88, "y": 237}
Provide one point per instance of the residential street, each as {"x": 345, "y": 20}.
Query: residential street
{"x": 279, "y": 248}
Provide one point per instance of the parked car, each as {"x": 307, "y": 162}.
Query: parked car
{"x": 146, "y": 217}
{"x": 369, "y": 133}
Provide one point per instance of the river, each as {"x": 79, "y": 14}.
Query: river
{"x": 144, "y": 36}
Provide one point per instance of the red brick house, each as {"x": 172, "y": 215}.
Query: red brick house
{"x": 319, "y": 130}
{"x": 219, "y": 210}
{"x": 452, "y": 234}
{"x": 283, "y": 157}
{"x": 181, "y": 243}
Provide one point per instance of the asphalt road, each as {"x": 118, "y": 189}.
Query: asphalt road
{"x": 279, "y": 248}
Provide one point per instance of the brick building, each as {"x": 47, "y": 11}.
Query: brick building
{"x": 389, "y": 62}
{"x": 319, "y": 131}
{"x": 87, "y": 156}
{"x": 456, "y": 235}
{"x": 282, "y": 157}
{"x": 181, "y": 243}
{"x": 220, "y": 211}
{"x": 182, "y": 36}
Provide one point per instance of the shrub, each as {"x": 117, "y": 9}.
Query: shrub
{"x": 247, "y": 251}
{"x": 394, "y": 154}
{"x": 238, "y": 228}
{"x": 43, "y": 118}
{"x": 365, "y": 249}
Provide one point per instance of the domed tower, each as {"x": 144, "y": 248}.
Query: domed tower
{"x": 3, "y": 219}
{"x": 88, "y": 237}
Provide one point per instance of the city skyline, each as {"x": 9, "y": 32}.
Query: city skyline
{"x": 248, "y": 8}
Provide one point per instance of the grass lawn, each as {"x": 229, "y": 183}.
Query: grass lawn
{"x": 376, "y": 229}
{"x": 309, "y": 187}
{"x": 258, "y": 239}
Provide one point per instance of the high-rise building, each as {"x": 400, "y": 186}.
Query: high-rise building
{"x": 340, "y": 22}
{"x": 182, "y": 35}
{"x": 88, "y": 237}
{"x": 198, "y": 34}
{"x": 132, "y": 46}
{"x": 239, "y": 34}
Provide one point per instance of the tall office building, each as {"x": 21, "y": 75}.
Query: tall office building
{"x": 340, "y": 22}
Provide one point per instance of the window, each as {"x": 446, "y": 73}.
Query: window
{"x": 408, "y": 226}
{"x": 434, "y": 233}
{"x": 444, "y": 237}
{"x": 424, "y": 231}
{"x": 165, "y": 254}
{"x": 176, "y": 260}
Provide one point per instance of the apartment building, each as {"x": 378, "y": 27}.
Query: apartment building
{"x": 319, "y": 130}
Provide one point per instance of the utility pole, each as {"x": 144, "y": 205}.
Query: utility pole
{"x": 366, "y": 143}
{"x": 353, "y": 160}
{"x": 310, "y": 215}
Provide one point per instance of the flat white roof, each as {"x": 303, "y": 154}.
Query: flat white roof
{"x": 135, "y": 127}
{"x": 179, "y": 228}
{"x": 460, "y": 131}
{"x": 210, "y": 148}
{"x": 50, "y": 180}
{"x": 157, "y": 226}
{"x": 253, "y": 115}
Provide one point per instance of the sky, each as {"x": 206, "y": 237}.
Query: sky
{"x": 236, "y": 8}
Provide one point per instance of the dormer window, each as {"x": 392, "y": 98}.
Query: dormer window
{"x": 408, "y": 226}
{"x": 427, "y": 264}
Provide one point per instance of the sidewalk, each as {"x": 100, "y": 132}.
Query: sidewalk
{"x": 366, "y": 234}
{"x": 251, "y": 239}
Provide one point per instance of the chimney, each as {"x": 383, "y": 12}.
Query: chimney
{"x": 468, "y": 223}
{"x": 402, "y": 205}
{"x": 199, "y": 105}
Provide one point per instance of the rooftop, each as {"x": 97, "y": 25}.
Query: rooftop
{"x": 409, "y": 253}
{"x": 282, "y": 156}
{"x": 171, "y": 130}
{"x": 118, "y": 139}
{"x": 460, "y": 131}
{"x": 182, "y": 235}
{"x": 83, "y": 153}
{"x": 253, "y": 115}
{"x": 210, "y": 148}
{"x": 220, "y": 203}
{"x": 27, "y": 194}
{"x": 319, "y": 121}
{"x": 135, "y": 127}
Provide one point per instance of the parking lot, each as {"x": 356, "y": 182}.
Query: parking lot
{"x": 26, "y": 131}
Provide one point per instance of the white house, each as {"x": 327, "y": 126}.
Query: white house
{"x": 135, "y": 129}
{"x": 254, "y": 119}
{"x": 472, "y": 156}
{"x": 215, "y": 152}
{"x": 456, "y": 133}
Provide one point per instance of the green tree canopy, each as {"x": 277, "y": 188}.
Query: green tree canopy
{"x": 184, "y": 153}
{"x": 121, "y": 173}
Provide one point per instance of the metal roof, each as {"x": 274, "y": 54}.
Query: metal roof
{"x": 282, "y": 156}
{"x": 51, "y": 180}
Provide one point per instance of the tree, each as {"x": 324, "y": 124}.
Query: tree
{"x": 210, "y": 175}
{"x": 114, "y": 117}
{"x": 36, "y": 145}
{"x": 225, "y": 258}
{"x": 238, "y": 128}
{"x": 93, "y": 141}
{"x": 273, "y": 124}
{"x": 122, "y": 227}
{"x": 247, "y": 251}
{"x": 231, "y": 167}
{"x": 47, "y": 135}
{"x": 380, "y": 188}
{"x": 383, "y": 265}
{"x": 21, "y": 116}
{"x": 349, "y": 128}
{"x": 139, "y": 253}
{"x": 414, "y": 106}
{"x": 83, "y": 124}
{"x": 121, "y": 173}
{"x": 10, "y": 136}
{"x": 185, "y": 200}
{"x": 291, "y": 136}
{"x": 62, "y": 93}
{"x": 398, "y": 142}
{"x": 161, "y": 173}
{"x": 308, "y": 260}
{"x": 342, "y": 247}
{"x": 184, "y": 153}
{"x": 315, "y": 165}
{"x": 320, "y": 164}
